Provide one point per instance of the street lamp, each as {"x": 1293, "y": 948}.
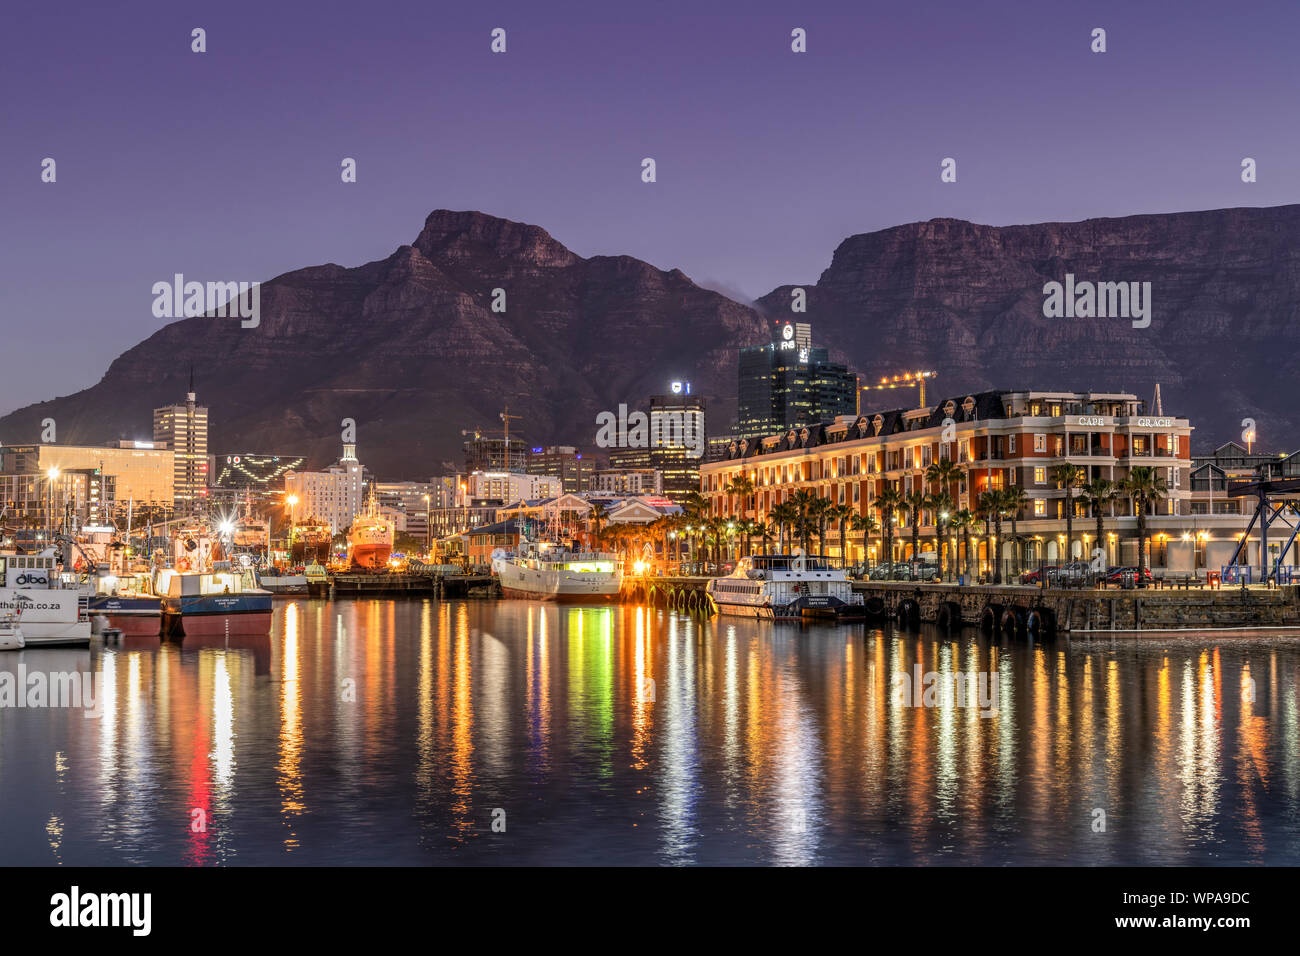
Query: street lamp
{"x": 51, "y": 475}
{"x": 427, "y": 544}
{"x": 293, "y": 500}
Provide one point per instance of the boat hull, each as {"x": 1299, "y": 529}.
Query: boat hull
{"x": 556, "y": 597}
{"x": 48, "y": 618}
{"x": 534, "y": 584}
{"x": 215, "y": 614}
{"x": 371, "y": 556}
{"x": 133, "y": 616}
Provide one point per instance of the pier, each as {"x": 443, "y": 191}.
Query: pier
{"x": 421, "y": 585}
{"x": 1029, "y": 611}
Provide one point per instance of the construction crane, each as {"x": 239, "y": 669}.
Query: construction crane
{"x": 506, "y": 417}
{"x": 904, "y": 380}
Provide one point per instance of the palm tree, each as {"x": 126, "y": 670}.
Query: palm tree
{"x": 987, "y": 503}
{"x": 1001, "y": 504}
{"x": 1068, "y": 477}
{"x": 596, "y": 515}
{"x": 889, "y": 502}
{"x": 764, "y": 534}
{"x": 742, "y": 486}
{"x": 1097, "y": 492}
{"x": 695, "y": 505}
{"x": 915, "y": 501}
{"x": 819, "y": 515}
{"x": 944, "y": 473}
{"x": 784, "y": 514}
{"x": 866, "y": 523}
{"x": 963, "y": 521}
{"x": 805, "y": 502}
{"x": 841, "y": 514}
{"x": 941, "y": 505}
{"x": 1015, "y": 500}
{"x": 1145, "y": 486}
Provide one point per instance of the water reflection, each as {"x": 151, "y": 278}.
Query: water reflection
{"x": 419, "y": 731}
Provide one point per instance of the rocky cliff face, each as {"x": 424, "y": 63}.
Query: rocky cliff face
{"x": 411, "y": 349}
{"x": 967, "y": 301}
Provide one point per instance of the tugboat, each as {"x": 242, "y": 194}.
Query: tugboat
{"x": 787, "y": 587}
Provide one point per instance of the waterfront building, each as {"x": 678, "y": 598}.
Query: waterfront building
{"x": 184, "y": 429}
{"x": 115, "y": 474}
{"x": 788, "y": 383}
{"x": 999, "y": 440}
{"x": 564, "y": 462}
{"x": 618, "y": 482}
{"x": 333, "y": 497}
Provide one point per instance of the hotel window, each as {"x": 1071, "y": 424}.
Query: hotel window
{"x": 925, "y": 456}
{"x": 963, "y": 450}
{"x": 1040, "y": 476}
{"x": 1040, "y": 507}
{"x": 1040, "y": 443}
{"x": 1139, "y": 444}
{"x": 1173, "y": 444}
{"x": 1011, "y": 444}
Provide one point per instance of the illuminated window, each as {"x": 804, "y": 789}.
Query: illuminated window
{"x": 1040, "y": 443}
{"x": 1040, "y": 507}
{"x": 1040, "y": 476}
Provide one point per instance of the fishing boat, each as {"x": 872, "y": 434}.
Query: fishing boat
{"x": 370, "y": 540}
{"x": 128, "y": 603}
{"x": 52, "y": 611}
{"x": 222, "y": 601}
{"x": 544, "y": 571}
{"x": 309, "y": 542}
{"x": 786, "y": 587}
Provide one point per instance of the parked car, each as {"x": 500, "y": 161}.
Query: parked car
{"x": 1116, "y": 575}
{"x": 1074, "y": 572}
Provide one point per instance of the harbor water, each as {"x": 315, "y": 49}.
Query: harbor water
{"x": 446, "y": 732}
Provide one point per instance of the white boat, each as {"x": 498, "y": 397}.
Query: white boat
{"x": 52, "y": 611}
{"x": 786, "y": 586}
{"x": 541, "y": 571}
{"x": 11, "y": 635}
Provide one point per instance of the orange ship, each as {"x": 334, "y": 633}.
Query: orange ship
{"x": 370, "y": 541}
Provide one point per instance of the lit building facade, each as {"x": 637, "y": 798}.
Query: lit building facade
{"x": 788, "y": 382}
{"x": 564, "y": 462}
{"x": 334, "y": 496}
{"x": 121, "y": 475}
{"x": 184, "y": 429}
{"x": 998, "y": 439}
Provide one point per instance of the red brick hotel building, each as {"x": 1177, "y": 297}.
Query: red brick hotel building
{"x": 999, "y": 439}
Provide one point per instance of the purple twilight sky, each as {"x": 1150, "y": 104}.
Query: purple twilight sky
{"x": 225, "y": 165}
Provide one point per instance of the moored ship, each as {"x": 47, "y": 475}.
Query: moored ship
{"x": 370, "y": 540}
{"x": 48, "y": 611}
{"x": 211, "y": 603}
{"x": 786, "y": 586}
{"x": 544, "y": 572}
{"x": 310, "y": 542}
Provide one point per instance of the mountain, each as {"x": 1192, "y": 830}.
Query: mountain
{"x": 967, "y": 301}
{"x": 411, "y": 349}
